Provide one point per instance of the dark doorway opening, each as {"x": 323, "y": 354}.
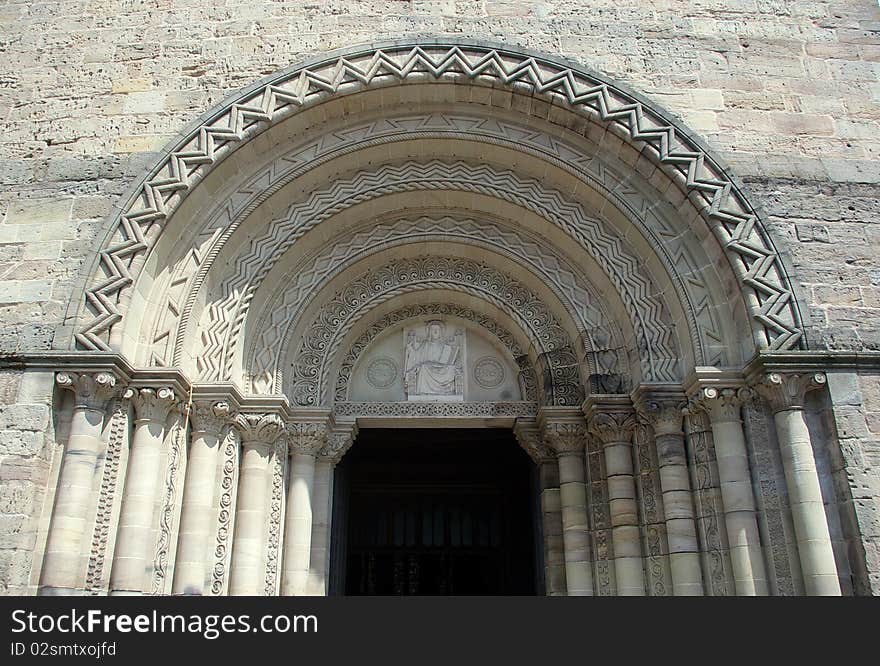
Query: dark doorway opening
{"x": 435, "y": 512}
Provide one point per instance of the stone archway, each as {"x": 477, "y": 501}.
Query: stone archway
{"x": 614, "y": 263}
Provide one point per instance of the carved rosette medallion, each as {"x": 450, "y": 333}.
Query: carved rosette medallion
{"x": 489, "y": 372}
{"x": 382, "y": 372}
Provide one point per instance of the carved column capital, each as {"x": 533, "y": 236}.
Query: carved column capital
{"x": 256, "y": 428}
{"x": 529, "y": 437}
{"x": 665, "y": 415}
{"x": 613, "y": 427}
{"x": 338, "y": 443}
{"x": 722, "y": 403}
{"x": 565, "y": 437}
{"x": 306, "y": 437}
{"x": 151, "y": 404}
{"x": 210, "y": 416}
{"x": 91, "y": 390}
{"x": 786, "y": 391}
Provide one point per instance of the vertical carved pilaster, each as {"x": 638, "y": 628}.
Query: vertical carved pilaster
{"x": 711, "y": 529}
{"x": 652, "y": 523}
{"x": 96, "y": 577}
{"x": 225, "y": 511}
{"x": 786, "y": 393}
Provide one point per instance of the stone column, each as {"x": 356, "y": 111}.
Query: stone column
{"x": 786, "y": 393}
{"x": 64, "y": 569}
{"x": 613, "y": 424}
{"x": 134, "y": 537}
{"x": 304, "y": 441}
{"x": 665, "y": 416}
{"x": 258, "y": 435}
{"x": 338, "y": 443}
{"x": 568, "y": 438}
{"x": 529, "y": 438}
{"x": 192, "y": 567}
{"x": 740, "y": 513}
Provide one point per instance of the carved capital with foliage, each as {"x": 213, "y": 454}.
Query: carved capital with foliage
{"x": 210, "y": 416}
{"x": 91, "y": 390}
{"x": 338, "y": 444}
{"x": 151, "y": 405}
{"x": 258, "y": 428}
{"x": 613, "y": 426}
{"x": 786, "y": 391}
{"x": 565, "y": 437}
{"x": 529, "y": 438}
{"x": 306, "y": 437}
{"x": 665, "y": 415}
{"x": 721, "y": 403}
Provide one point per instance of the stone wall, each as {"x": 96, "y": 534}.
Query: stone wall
{"x": 787, "y": 92}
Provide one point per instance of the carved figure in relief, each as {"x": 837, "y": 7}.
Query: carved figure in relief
{"x": 434, "y": 365}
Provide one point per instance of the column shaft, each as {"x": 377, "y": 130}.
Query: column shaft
{"x": 251, "y": 515}
{"x": 625, "y": 537}
{"x": 322, "y": 491}
{"x": 746, "y": 555}
{"x": 133, "y": 538}
{"x": 191, "y": 568}
{"x": 63, "y": 567}
{"x": 298, "y": 525}
{"x": 681, "y": 530}
{"x": 575, "y": 527}
{"x": 807, "y": 507}
{"x": 554, "y": 548}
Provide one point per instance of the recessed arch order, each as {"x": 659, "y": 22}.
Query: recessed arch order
{"x": 604, "y": 179}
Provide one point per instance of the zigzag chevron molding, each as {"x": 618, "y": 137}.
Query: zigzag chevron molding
{"x": 725, "y": 209}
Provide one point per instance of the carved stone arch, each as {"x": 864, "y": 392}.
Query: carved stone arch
{"x": 528, "y": 380}
{"x": 583, "y": 305}
{"x": 311, "y": 358}
{"x": 646, "y": 213}
{"x": 622, "y": 114}
{"x": 229, "y": 309}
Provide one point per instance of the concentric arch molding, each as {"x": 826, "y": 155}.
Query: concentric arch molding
{"x": 227, "y": 313}
{"x": 319, "y": 341}
{"x": 722, "y": 204}
{"x": 263, "y": 357}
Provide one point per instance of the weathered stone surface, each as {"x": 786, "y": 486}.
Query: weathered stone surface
{"x": 787, "y": 93}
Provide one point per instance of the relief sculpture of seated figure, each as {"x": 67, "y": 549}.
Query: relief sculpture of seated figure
{"x": 434, "y": 364}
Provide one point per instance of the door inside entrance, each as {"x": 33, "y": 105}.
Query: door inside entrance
{"x": 435, "y": 512}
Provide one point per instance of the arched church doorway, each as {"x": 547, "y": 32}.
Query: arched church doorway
{"x": 436, "y": 512}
